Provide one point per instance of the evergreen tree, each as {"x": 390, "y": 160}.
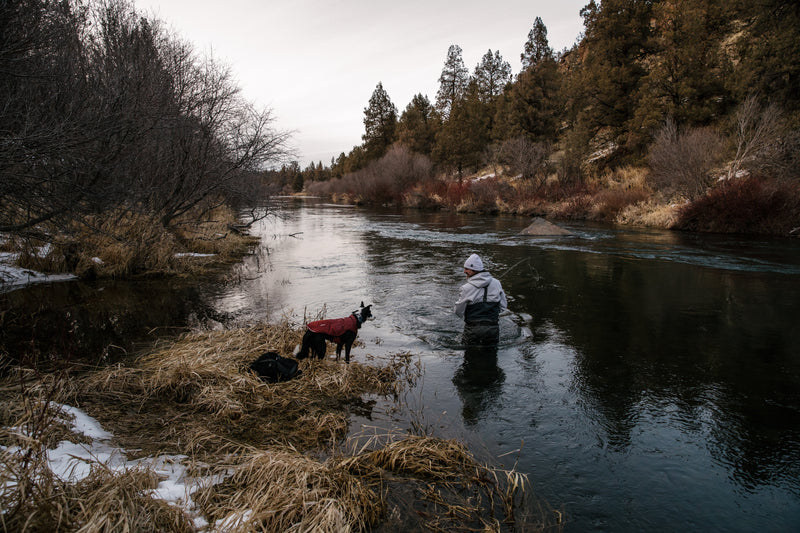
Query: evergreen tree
{"x": 769, "y": 53}
{"x": 492, "y": 74}
{"x": 531, "y": 107}
{"x": 536, "y": 47}
{"x": 380, "y": 123}
{"x": 461, "y": 141}
{"x": 418, "y": 125}
{"x": 687, "y": 70}
{"x": 604, "y": 91}
{"x": 452, "y": 82}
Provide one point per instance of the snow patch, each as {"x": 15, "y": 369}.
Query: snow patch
{"x": 193, "y": 254}
{"x": 13, "y": 277}
{"x": 72, "y": 462}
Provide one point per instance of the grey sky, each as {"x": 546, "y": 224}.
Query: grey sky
{"x": 316, "y": 63}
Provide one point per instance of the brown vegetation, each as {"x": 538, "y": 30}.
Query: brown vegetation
{"x": 125, "y": 244}
{"x": 748, "y": 205}
{"x": 274, "y": 451}
{"x": 681, "y": 161}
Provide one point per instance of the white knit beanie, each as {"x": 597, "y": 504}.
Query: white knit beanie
{"x": 474, "y": 263}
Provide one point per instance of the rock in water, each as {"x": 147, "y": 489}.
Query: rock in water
{"x": 541, "y": 227}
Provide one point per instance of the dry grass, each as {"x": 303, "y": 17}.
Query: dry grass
{"x": 200, "y": 384}
{"x": 33, "y": 498}
{"x": 651, "y": 213}
{"x": 128, "y": 244}
{"x": 280, "y": 489}
{"x": 272, "y": 453}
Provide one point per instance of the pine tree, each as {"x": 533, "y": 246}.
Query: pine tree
{"x": 380, "y": 123}
{"x": 531, "y": 107}
{"x": 536, "y": 47}
{"x": 418, "y": 125}
{"x": 461, "y": 141}
{"x": 492, "y": 74}
{"x": 769, "y": 53}
{"x": 452, "y": 82}
{"x": 604, "y": 92}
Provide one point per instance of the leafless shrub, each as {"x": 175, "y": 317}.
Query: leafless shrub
{"x": 680, "y": 161}
{"x": 382, "y": 181}
{"x": 764, "y": 144}
{"x": 608, "y": 203}
{"x": 525, "y": 157}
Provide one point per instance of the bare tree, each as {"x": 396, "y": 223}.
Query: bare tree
{"x": 525, "y": 157}
{"x": 104, "y": 112}
{"x": 758, "y": 135}
{"x": 680, "y": 161}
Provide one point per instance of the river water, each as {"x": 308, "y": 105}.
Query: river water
{"x": 645, "y": 380}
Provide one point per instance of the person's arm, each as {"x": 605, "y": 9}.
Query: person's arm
{"x": 503, "y": 300}
{"x": 461, "y": 304}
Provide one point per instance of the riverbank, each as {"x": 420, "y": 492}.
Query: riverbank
{"x": 132, "y": 248}
{"x": 249, "y": 455}
{"x": 749, "y": 205}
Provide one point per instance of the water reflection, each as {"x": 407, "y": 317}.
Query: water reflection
{"x": 99, "y": 321}
{"x": 479, "y": 382}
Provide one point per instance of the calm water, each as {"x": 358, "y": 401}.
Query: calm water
{"x": 651, "y": 379}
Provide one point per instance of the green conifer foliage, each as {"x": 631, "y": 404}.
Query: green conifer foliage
{"x": 380, "y": 123}
{"x": 768, "y": 53}
{"x": 537, "y": 48}
{"x": 418, "y": 125}
{"x": 452, "y": 82}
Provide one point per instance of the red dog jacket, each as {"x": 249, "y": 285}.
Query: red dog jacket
{"x": 335, "y": 327}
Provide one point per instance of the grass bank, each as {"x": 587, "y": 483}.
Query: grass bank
{"x": 126, "y": 244}
{"x": 273, "y": 457}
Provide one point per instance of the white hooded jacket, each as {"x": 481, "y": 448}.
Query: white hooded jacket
{"x": 472, "y": 292}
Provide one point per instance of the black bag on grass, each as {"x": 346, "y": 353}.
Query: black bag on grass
{"x": 273, "y": 368}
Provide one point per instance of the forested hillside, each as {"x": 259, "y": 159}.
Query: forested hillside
{"x": 656, "y": 102}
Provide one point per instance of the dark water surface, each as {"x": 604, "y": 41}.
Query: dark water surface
{"x": 650, "y": 378}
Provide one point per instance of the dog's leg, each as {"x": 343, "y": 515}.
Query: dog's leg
{"x": 347, "y": 352}
{"x": 318, "y": 348}
{"x": 338, "y": 351}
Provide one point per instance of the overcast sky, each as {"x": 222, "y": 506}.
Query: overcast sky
{"x": 315, "y": 63}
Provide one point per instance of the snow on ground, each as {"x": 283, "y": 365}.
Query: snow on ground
{"x": 72, "y": 462}
{"x": 193, "y": 254}
{"x": 13, "y": 277}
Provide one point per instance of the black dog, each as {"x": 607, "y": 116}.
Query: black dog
{"x": 272, "y": 368}
{"x": 341, "y": 331}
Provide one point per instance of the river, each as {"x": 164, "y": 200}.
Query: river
{"x": 645, "y": 380}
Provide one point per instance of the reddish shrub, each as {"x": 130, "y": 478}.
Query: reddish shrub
{"x": 608, "y": 203}
{"x": 748, "y": 205}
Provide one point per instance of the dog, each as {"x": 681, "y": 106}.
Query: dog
{"x": 340, "y": 331}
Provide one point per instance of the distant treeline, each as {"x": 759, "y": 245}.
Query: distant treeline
{"x": 107, "y": 119}
{"x": 690, "y": 90}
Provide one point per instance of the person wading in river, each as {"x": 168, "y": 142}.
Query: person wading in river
{"x": 480, "y": 301}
